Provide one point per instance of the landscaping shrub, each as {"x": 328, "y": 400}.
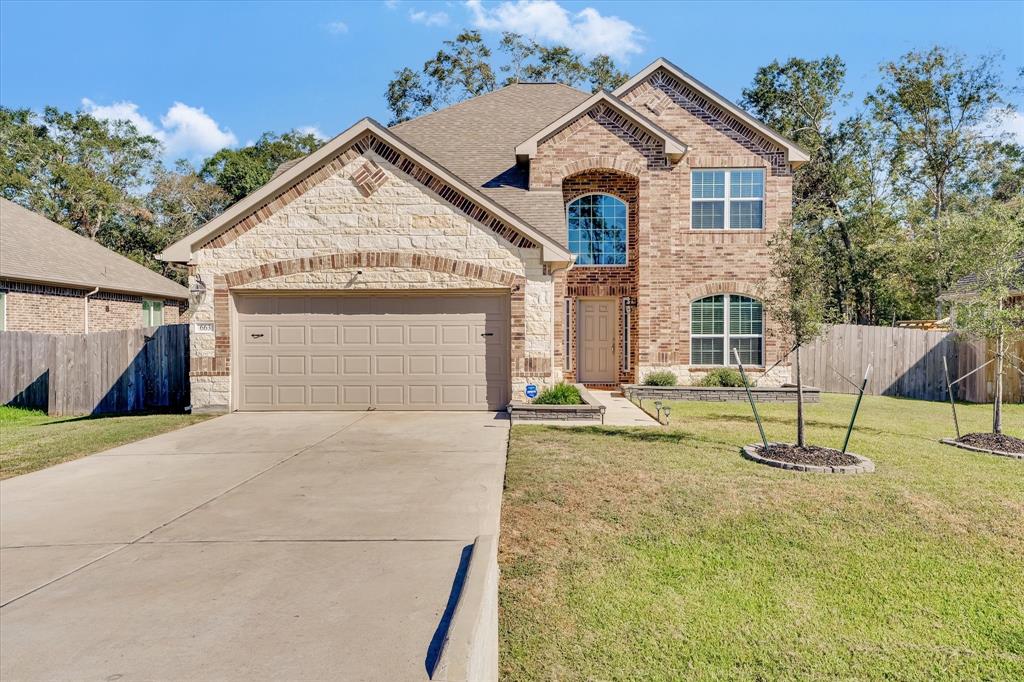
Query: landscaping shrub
{"x": 723, "y": 376}
{"x": 661, "y": 378}
{"x": 559, "y": 394}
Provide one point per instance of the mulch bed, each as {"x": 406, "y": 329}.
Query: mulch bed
{"x": 993, "y": 441}
{"x": 813, "y": 455}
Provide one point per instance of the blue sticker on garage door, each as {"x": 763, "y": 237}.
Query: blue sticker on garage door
{"x": 531, "y": 390}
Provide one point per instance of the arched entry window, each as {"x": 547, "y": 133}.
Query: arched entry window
{"x": 597, "y": 230}
{"x": 718, "y": 324}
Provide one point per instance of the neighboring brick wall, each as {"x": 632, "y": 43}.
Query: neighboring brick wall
{"x": 61, "y": 310}
{"x": 675, "y": 264}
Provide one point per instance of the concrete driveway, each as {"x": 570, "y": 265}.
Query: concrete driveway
{"x": 298, "y": 546}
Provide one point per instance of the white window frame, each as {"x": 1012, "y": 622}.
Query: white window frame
{"x": 728, "y": 199}
{"x": 151, "y": 301}
{"x": 599, "y": 194}
{"x": 725, "y": 335}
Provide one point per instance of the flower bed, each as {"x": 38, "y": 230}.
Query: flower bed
{"x": 590, "y": 410}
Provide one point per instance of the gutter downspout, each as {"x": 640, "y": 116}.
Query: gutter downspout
{"x": 91, "y": 293}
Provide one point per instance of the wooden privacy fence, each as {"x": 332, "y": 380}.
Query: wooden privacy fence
{"x": 99, "y": 373}
{"x": 907, "y": 363}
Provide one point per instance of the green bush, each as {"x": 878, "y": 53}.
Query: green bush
{"x": 559, "y": 394}
{"x": 723, "y": 376}
{"x": 661, "y": 378}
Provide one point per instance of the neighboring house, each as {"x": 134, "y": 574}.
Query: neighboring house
{"x": 533, "y": 234}
{"x": 53, "y": 280}
{"x": 966, "y": 288}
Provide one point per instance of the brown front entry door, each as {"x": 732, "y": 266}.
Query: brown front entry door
{"x": 596, "y": 341}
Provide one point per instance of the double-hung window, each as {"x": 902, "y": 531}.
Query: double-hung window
{"x": 152, "y": 313}
{"x": 727, "y": 199}
{"x": 719, "y": 324}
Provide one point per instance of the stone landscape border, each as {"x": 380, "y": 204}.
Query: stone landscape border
{"x": 762, "y": 394}
{"x": 972, "y": 448}
{"x": 863, "y": 466}
{"x": 590, "y": 410}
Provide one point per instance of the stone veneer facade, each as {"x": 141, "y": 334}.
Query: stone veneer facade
{"x": 670, "y": 264}
{"x": 398, "y": 232}
{"x": 61, "y": 310}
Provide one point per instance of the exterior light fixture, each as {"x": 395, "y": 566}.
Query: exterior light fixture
{"x": 657, "y": 405}
{"x": 667, "y": 410}
{"x": 197, "y": 292}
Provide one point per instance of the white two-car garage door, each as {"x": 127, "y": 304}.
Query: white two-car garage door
{"x": 354, "y": 352}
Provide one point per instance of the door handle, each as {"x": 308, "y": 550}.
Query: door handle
{"x": 256, "y": 336}
{"x": 487, "y": 334}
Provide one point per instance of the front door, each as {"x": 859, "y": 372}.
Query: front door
{"x": 595, "y": 340}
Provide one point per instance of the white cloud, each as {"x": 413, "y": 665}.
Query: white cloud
{"x": 312, "y": 130}
{"x": 428, "y": 18}
{"x": 337, "y": 28}
{"x": 185, "y": 131}
{"x": 587, "y": 31}
{"x": 391, "y": 4}
{"x": 1010, "y": 122}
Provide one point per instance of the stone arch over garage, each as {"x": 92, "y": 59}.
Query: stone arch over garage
{"x": 220, "y": 363}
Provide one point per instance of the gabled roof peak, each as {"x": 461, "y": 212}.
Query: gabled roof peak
{"x": 797, "y": 154}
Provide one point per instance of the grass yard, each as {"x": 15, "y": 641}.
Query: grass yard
{"x": 647, "y": 554}
{"x": 31, "y": 440}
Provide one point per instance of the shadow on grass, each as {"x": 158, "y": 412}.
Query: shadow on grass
{"x": 97, "y": 417}
{"x": 642, "y": 434}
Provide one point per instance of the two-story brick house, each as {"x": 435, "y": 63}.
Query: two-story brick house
{"x": 529, "y": 235}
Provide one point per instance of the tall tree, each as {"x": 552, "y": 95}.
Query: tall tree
{"x": 241, "y": 171}
{"x": 464, "y": 67}
{"x": 73, "y": 168}
{"x": 938, "y": 109}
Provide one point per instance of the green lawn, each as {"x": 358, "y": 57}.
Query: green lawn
{"x": 634, "y": 554}
{"x": 31, "y": 440}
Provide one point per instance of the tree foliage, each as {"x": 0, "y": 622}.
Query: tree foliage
{"x": 464, "y": 67}
{"x": 241, "y": 171}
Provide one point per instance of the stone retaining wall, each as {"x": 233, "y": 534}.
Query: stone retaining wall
{"x": 591, "y": 410}
{"x": 784, "y": 394}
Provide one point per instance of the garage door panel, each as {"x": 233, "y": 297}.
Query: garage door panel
{"x": 388, "y": 352}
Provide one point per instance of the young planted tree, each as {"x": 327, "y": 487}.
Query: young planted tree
{"x": 796, "y": 300}
{"x": 988, "y": 311}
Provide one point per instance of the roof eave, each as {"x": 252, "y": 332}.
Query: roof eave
{"x": 182, "y": 250}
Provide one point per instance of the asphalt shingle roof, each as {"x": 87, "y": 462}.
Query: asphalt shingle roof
{"x": 35, "y": 249}
{"x": 476, "y": 140}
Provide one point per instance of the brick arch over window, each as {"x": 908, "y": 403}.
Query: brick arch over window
{"x": 219, "y": 364}
{"x": 697, "y": 291}
{"x": 772, "y": 343}
{"x": 604, "y": 162}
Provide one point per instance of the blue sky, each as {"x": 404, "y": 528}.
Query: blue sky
{"x": 200, "y": 75}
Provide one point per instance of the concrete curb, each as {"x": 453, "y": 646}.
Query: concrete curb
{"x": 998, "y": 453}
{"x": 863, "y": 466}
{"x": 470, "y": 651}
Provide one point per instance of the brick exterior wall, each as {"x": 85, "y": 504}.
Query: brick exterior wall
{"x": 365, "y": 213}
{"x": 61, "y": 310}
{"x": 674, "y": 264}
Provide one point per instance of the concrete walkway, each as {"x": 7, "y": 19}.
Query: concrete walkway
{"x": 253, "y": 546}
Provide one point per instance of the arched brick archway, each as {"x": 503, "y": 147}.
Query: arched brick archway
{"x": 220, "y": 363}
{"x": 603, "y": 162}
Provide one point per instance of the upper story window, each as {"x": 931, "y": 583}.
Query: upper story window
{"x": 727, "y": 199}
{"x": 719, "y": 324}
{"x": 598, "y": 229}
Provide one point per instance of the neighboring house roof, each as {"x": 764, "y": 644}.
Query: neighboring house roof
{"x": 182, "y": 250}
{"x": 35, "y": 249}
{"x": 797, "y": 154}
{"x": 967, "y": 287}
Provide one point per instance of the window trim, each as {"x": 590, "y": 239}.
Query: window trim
{"x": 626, "y": 331}
{"x": 151, "y": 301}
{"x": 597, "y": 265}
{"x": 728, "y": 199}
{"x": 726, "y": 336}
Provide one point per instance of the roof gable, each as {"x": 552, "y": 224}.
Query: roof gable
{"x": 674, "y": 148}
{"x": 36, "y": 249}
{"x": 365, "y": 135}
{"x": 741, "y": 122}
